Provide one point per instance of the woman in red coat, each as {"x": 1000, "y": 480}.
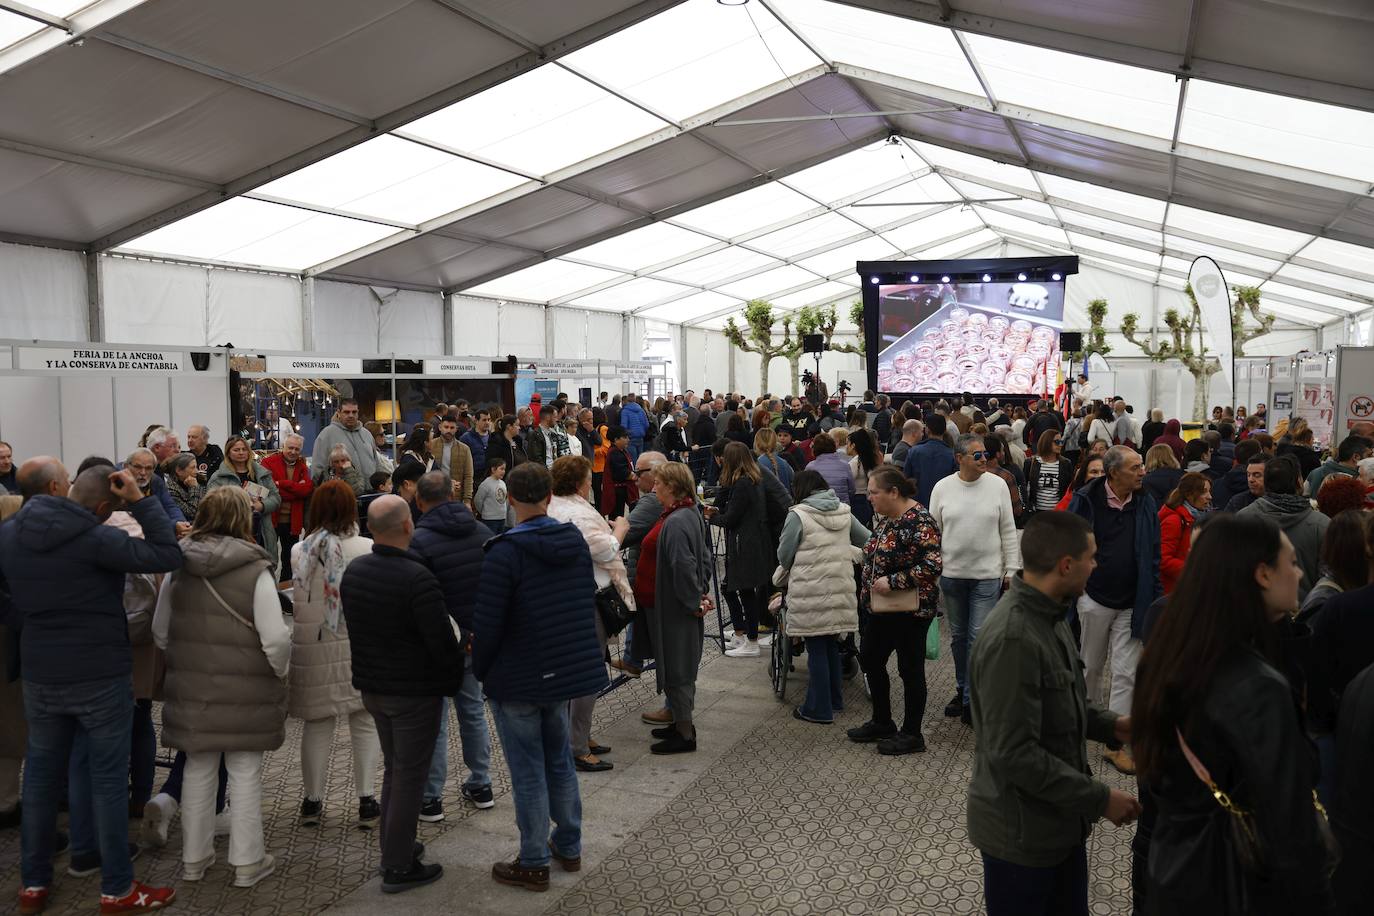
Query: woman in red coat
{"x": 1189, "y": 499}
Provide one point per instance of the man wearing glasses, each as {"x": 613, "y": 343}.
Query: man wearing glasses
{"x": 142, "y": 464}
{"x": 979, "y": 548}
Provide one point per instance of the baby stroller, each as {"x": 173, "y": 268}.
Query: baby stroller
{"x": 781, "y": 649}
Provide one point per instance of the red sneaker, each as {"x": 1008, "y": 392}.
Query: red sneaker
{"x": 33, "y": 899}
{"x": 140, "y": 899}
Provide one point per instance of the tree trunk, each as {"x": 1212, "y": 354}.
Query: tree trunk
{"x": 794, "y": 365}
{"x": 764, "y": 360}
{"x": 1202, "y": 385}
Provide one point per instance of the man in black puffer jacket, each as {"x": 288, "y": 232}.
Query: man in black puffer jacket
{"x": 449, "y": 539}
{"x": 535, "y": 648}
{"x": 406, "y": 659}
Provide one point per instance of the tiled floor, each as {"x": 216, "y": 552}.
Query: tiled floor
{"x": 771, "y": 815}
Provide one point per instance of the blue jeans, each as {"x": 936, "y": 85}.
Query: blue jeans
{"x": 635, "y": 447}
{"x": 472, "y": 731}
{"x": 967, "y": 603}
{"x": 495, "y": 526}
{"x": 96, "y": 712}
{"x": 535, "y": 739}
{"x": 825, "y": 681}
{"x": 632, "y": 654}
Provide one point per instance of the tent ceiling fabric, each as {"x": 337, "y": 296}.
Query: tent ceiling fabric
{"x": 586, "y": 153}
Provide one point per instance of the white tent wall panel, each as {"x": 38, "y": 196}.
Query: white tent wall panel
{"x": 476, "y": 327}
{"x": 605, "y": 336}
{"x": 42, "y": 293}
{"x": 410, "y": 322}
{"x": 569, "y": 327}
{"x": 259, "y": 310}
{"x": 140, "y": 402}
{"x": 521, "y": 331}
{"x": 154, "y": 302}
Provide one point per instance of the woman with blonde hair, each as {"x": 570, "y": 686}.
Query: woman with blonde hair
{"x": 321, "y": 658}
{"x": 239, "y": 470}
{"x": 1162, "y": 472}
{"x": 228, "y": 649}
{"x": 571, "y": 502}
{"x": 766, "y": 445}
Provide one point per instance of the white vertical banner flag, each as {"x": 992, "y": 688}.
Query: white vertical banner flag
{"x": 1214, "y": 299}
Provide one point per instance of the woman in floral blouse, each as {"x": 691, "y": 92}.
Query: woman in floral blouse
{"x": 902, "y": 567}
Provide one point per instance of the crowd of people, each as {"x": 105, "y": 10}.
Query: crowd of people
{"x": 1198, "y": 606}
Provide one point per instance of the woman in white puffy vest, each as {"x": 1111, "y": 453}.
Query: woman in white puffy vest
{"x": 817, "y": 553}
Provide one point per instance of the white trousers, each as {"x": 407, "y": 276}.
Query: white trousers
{"x": 317, "y": 739}
{"x": 198, "y": 786}
{"x": 1105, "y": 627}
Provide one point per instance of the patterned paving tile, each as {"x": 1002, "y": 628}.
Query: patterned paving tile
{"x": 793, "y": 819}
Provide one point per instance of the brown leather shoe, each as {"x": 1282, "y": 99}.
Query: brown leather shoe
{"x": 626, "y": 668}
{"x": 660, "y": 717}
{"x": 517, "y": 875}
{"x": 569, "y": 863}
{"x": 1122, "y": 760}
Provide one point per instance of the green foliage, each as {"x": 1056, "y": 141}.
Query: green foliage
{"x": 1096, "y": 340}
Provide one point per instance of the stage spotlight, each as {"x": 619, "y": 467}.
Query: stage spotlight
{"x": 1021, "y": 277}
{"x": 915, "y": 278}
{"x": 873, "y": 280}
{"x": 945, "y": 278}
{"x": 987, "y": 278}
{"x": 1056, "y": 277}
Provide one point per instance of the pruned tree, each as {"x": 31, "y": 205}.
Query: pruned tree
{"x": 856, "y": 315}
{"x": 1247, "y": 300}
{"x": 1095, "y": 341}
{"x": 1180, "y": 346}
{"x": 757, "y": 337}
{"x": 810, "y": 320}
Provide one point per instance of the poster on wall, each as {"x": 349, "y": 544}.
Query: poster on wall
{"x": 1354, "y": 387}
{"x": 1283, "y": 402}
{"x": 1317, "y": 405}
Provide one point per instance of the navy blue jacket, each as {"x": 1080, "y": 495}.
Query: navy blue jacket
{"x": 478, "y": 449}
{"x": 1147, "y": 585}
{"x": 1228, "y": 485}
{"x": 534, "y": 629}
{"x": 64, "y": 573}
{"x": 158, "y": 487}
{"x": 635, "y": 420}
{"x": 927, "y": 464}
{"x": 449, "y": 539}
{"x": 399, "y": 635}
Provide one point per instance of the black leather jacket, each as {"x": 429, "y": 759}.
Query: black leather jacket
{"x": 1250, "y": 736}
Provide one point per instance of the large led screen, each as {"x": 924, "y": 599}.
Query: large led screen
{"x": 952, "y": 335}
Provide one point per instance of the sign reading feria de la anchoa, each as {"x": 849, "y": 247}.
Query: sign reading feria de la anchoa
{"x": 94, "y": 358}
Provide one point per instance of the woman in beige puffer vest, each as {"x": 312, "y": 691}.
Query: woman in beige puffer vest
{"x": 817, "y": 553}
{"x": 321, "y": 659}
{"x": 227, "y": 650}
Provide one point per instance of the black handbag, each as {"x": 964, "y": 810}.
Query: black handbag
{"x": 615, "y": 613}
{"x": 1232, "y": 843}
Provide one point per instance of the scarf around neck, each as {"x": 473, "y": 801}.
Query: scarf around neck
{"x": 322, "y": 549}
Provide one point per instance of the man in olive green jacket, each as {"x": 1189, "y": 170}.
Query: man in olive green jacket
{"x": 1032, "y": 799}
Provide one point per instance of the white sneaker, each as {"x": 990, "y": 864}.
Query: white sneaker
{"x": 194, "y": 871}
{"x": 766, "y": 640}
{"x": 222, "y": 822}
{"x": 157, "y": 819}
{"x": 746, "y": 650}
{"x": 249, "y": 875}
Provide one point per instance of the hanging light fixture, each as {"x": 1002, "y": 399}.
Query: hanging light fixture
{"x": 732, "y": 2}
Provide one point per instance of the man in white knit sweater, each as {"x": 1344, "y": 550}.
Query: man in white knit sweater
{"x": 979, "y": 549}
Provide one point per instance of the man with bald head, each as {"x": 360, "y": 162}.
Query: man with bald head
{"x": 63, "y": 571}
{"x": 406, "y": 659}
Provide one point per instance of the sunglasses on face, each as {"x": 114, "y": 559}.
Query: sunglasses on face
{"x": 979, "y": 456}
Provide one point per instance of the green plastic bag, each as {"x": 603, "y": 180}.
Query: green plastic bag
{"x": 933, "y": 640}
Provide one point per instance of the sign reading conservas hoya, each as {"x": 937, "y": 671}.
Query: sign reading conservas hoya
{"x": 94, "y": 358}
{"x": 326, "y": 366}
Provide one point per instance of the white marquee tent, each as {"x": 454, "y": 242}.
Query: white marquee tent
{"x": 360, "y": 173}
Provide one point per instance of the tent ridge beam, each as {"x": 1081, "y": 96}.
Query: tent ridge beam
{"x": 109, "y": 165}
{"x": 233, "y": 79}
{"x": 36, "y": 15}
